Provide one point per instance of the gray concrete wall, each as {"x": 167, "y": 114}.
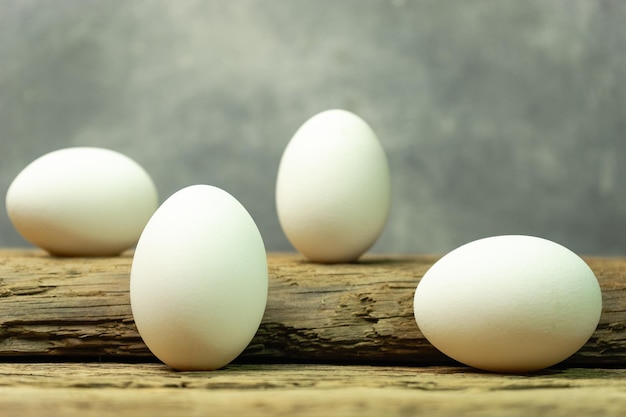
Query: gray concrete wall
{"x": 497, "y": 116}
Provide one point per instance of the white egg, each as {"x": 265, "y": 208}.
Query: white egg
{"x": 199, "y": 278}
{"x": 333, "y": 188}
{"x": 82, "y": 202}
{"x": 509, "y": 303}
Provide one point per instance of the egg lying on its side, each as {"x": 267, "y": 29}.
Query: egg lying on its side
{"x": 82, "y": 201}
{"x": 199, "y": 279}
{"x": 509, "y": 303}
{"x": 333, "y": 188}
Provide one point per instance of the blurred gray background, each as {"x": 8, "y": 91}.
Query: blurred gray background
{"x": 497, "y": 116}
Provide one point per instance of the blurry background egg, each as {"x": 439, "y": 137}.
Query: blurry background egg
{"x": 82, "y": 201}
{"x": 199, "y": 279}
{"x": 333, "y": 188}
{"x": 508, "y": 303}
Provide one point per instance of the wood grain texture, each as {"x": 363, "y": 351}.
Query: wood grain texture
{"x": 92, "y": 389}
{"x": 350, "y": 313}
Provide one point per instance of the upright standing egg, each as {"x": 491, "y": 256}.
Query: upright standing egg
{"x": 333, "y": 188}
{"x": 82, "y": 201}
{"x": 508, "y": 303}
{"x": 198, "y": 284}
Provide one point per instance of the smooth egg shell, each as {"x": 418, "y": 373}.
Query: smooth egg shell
{"x": 82, "y": 202}
{"x": 333, "y": 188}
{"x": 508, "y": 303}
{"x": 199, "y": 279}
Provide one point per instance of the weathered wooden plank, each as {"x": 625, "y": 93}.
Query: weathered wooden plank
{"x": 242, "y": 376}
{"x": 84, "y": 389}
{"x": 362, "y": 312}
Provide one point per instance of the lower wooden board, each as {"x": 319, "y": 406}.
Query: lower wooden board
{"x": 300, "y": 390}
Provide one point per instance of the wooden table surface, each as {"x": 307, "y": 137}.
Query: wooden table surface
{"x": 95, "y": 389}
{"x": 336, "y": 340}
